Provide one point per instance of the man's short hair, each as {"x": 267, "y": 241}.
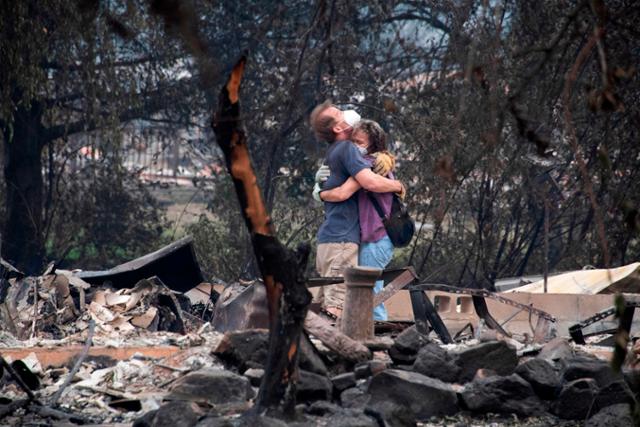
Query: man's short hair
{"x": 322, "y": 124}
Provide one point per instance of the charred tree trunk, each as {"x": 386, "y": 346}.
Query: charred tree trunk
{"x": 282, "y": 269}
{"x": 22, "y": 233}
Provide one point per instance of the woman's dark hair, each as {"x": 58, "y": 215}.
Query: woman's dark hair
{"x": 377, "y": 136}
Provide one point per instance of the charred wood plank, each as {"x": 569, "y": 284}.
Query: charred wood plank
{"x": 335, "y": 340}
{"x": 315, "y": 282}
{"x": 282, "y": 269}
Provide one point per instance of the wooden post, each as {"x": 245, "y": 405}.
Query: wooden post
{"x": 357, "y": 315}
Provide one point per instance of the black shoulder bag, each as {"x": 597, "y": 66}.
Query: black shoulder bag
{"x": 398, "y": 224}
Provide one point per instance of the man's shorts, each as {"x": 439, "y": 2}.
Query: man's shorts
{"x": 331, "y": 260}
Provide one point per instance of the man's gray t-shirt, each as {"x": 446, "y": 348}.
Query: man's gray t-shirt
{"x": 341, "y": 222}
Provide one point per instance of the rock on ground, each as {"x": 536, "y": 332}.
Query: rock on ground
{"x": 575, "y": 399}
{"x": 615, "y": 393}
{"x": 312, "y": 387}
{"x": 612, "y": 416}
{"x": 406, "y": 346}
{"x": 542, "y": 376}
{"x": 502, "y": 395}
{"x": 588, "y": 367}
{"x": 435, "y": 362}
{"x": 424, "y": 396}
{"x": 354, "y": 398}
{"x": 497, "y": 356}
{"x": 410, "y": 340}
{"x": 172, "y": 414}
{"x": 243, "y": 421}
{"x": 245, "y": 349}
{"x": 216, "y": 386}
{"x": 344, "y": 381}
{"x": 556, "y": 350}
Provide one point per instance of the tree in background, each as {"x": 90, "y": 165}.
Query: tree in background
{"x": 488, "y": 128}
{"x": 72, "y": 68}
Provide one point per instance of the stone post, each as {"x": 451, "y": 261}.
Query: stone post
{"x": 357, "y": 315}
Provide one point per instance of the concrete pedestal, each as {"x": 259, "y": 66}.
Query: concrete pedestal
{"x": 357, "y": 315}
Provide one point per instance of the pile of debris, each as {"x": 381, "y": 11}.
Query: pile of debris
{"x": 214, "y": 378}
{"x": 81, "y": 350}
{"x": 103, "y": 351}
{"x": 143, "y": 294}
{"x": 58, "y": 305}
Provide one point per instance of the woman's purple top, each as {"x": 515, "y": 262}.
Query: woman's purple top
{"x": 371, "y": 228}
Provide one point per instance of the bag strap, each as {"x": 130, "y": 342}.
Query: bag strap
{"x": 377, "y": 206}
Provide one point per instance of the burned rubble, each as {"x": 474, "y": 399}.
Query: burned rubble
{"x": 134, "y": 344}
{"x": 187, "y": 370}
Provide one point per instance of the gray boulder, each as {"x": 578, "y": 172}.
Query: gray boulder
{"x": 312, "y": 387}
{"x": 502, "y": 395}
{"x": 254, "y": 375}
{"x": 575, "y": 401}
{"x": 172, "y": 414}
{"x": 349, "y": 418}
{"x": 542, "y": 376}
{"x": 392, "y": 414}
{"x": 423, "y": 396}
{"x": 215, "y": 386}
{"x": 322, "y": 408}
{"x": 333, "y": 415}
{"x": 406, "y": 346}
{"x": 556, "y": 350}
{"x": 344, "y": 381}
{"x": 612, "y": 416}
{"x": 435, "y": 362}
{"x": 614, "y": 393}
{"x": 588, "y": 367}
{"x": 244, "y": 349}
{"x": 243, "y": 421}
{"x": 410, "y": 340}
{"x": 400, "y": 358}
{"x": 497, "y": 356}
{"x": 354, "y": 398}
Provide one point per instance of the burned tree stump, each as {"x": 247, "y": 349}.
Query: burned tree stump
{"x": 282, "y": 269}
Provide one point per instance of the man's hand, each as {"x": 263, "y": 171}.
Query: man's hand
{"x": 402, "y": 193}
{"x": 323, "y": 174}
{"x": 384, "y": 163}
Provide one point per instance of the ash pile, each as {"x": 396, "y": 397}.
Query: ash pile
{"x": 140, "y": 345}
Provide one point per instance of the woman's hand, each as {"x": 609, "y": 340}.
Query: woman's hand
{"x": 384, "y": 163}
